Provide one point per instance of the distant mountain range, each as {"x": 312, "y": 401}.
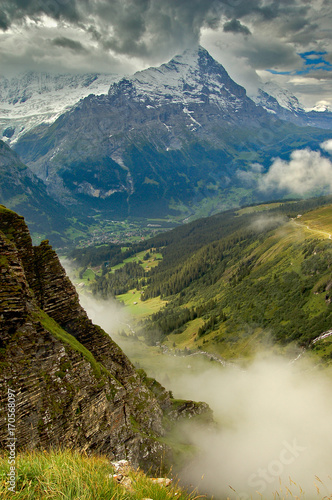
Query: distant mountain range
{"x": 167, "y": 141}
{"x": 287, "y": 107}
{"x": 32, "y": 98}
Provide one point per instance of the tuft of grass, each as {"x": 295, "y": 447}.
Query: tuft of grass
{"x": 71, "y": 475}
{"x": 51, "y": 326}
{"x": 59, "y": 474}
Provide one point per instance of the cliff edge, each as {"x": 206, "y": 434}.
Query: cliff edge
{"x": 74, "y": 387}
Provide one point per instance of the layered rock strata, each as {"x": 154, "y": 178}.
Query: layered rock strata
{"x": 73, "y": 385}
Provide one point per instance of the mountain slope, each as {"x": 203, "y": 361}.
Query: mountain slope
{"x": 73, "y": 385}
{"x": 31, "y": 99}
{"x": 23, "y": 191}
{"x": 239, "y": 280}
{"x": 161, "y": 142}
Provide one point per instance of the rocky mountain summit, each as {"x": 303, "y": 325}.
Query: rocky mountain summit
{"x": 193, "y": 77}
{"x": 74, "y": 386}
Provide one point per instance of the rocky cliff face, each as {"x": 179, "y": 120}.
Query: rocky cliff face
{"x": 74, "y": 386}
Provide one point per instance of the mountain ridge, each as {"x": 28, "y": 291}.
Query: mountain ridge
{"x": 23, "y": 191}
{"x": 23, "y": 106}
{"x": 183, "y": 78}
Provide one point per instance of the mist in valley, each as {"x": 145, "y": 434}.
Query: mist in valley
{"x": 273, "y": 417}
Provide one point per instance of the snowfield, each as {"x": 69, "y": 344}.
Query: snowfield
{"x": 31, "y": 99}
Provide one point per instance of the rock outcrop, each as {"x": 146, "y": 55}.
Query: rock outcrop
{"x": 74, "y": 387}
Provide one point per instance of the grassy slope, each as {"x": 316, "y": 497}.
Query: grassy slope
{"x": 51, "y": 326}
{"x": 253, "y": 304}
{"x": 319, "y": 221}
{"x": 71, "y": 475}
{"x": 138, "y": 309}
{"x": 273, "y": 289}
{"x": 138, "y": 257}
{"x": 267, "y": 303}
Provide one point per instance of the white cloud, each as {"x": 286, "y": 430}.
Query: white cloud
{"x": 305, "y": 172}
{"x": 265, "y": 222}
{"x": 269, "y": 432}
{"x": 327, "y": 146}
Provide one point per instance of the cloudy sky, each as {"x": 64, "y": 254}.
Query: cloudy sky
{"x": 286, "y": 41}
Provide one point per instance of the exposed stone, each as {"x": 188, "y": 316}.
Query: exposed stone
{"x": 123, "y": 468}
{"x": 182, "y": 409}
{"x": 162, "y": 481}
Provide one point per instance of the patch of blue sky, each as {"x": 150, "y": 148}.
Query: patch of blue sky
{"x": 312, "y": 61}
{"x": 275, "y": 72}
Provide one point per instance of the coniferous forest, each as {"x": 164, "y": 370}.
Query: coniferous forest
{"x": 229, "y": 277}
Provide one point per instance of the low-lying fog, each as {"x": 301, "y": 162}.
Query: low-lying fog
{"x": 273, "y": 438}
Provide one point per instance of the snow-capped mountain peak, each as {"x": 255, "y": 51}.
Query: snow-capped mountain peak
{"x": 191, "y": 77}
{"x": 280, "y": 96}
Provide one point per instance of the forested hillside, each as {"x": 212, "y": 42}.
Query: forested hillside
{"x": 234, "y": 281}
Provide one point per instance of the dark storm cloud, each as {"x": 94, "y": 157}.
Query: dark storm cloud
{"x": 235, "y": 26}
{"x": 321, "y": 75}
{"x": 258, "y": 10}
{"x": 68, "y": 44}
{"x": 131, "y": 27}
{"x": 16, "y": 10}
{"x": 147, "y": 27}
{"x": 4, "y": 21}
{"x": 264, "y": 53}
